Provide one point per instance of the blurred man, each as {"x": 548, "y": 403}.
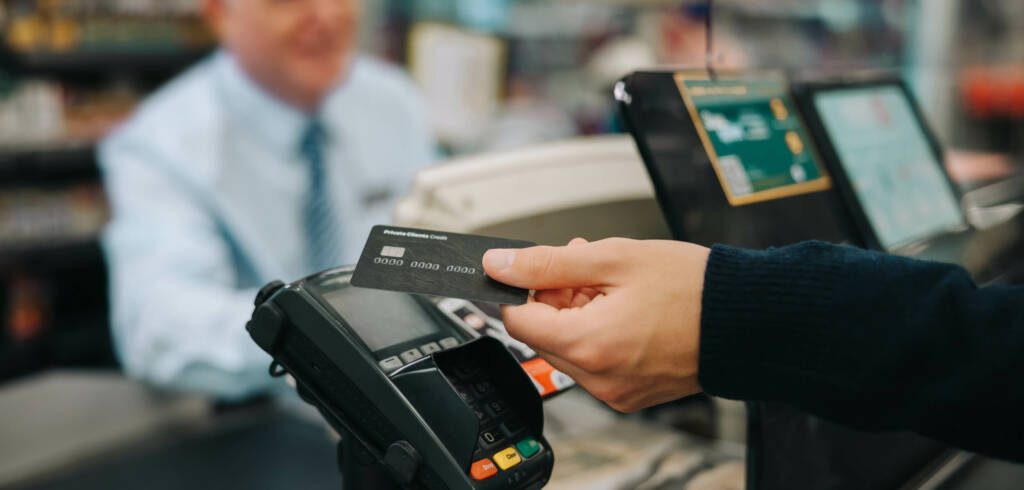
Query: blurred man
{"x": 271, "y": 159}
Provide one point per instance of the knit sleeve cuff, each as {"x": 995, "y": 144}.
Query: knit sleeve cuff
{"x": 764, "y": 328}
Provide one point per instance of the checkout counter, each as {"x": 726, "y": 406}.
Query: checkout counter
{"x": 592, "y": 187}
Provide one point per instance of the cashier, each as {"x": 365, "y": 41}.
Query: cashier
{"x": 270, "y": 159}
{"x": 870, "y": 340}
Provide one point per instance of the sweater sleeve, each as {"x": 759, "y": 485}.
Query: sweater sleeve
{"x": 869, "y": 340}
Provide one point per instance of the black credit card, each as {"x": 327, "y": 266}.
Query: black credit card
{"x": 437, "y": 263}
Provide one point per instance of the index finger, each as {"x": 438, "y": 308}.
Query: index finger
{"x": 546, "y": 267}
{"x": 542, "y": 326}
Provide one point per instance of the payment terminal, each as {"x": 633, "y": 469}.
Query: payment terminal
{"x": 418, "y": 402}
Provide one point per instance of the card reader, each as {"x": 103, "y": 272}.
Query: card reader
{"x": 413, "y": 397}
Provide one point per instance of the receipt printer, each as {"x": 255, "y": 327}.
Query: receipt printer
{"x": 417, "y": 403}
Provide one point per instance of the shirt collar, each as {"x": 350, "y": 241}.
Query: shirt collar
{"x": 256, "y": 110}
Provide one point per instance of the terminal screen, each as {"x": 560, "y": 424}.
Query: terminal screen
{"x": 892, "y": 168}
{"x": 753, "y": 136}
{"x": 381, "y": 318}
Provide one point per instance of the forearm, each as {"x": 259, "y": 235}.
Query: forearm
{"x": 178, "y": 310}
{"x": 870, "y": 340}
{"x": 190, "y": 337}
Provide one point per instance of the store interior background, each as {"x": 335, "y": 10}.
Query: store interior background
{"x": 498, "y": 75}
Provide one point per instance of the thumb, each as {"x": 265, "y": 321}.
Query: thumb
{"x": 547, "y": 267}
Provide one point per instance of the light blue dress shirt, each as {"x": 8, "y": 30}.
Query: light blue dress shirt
{"x": 207, "y": 185}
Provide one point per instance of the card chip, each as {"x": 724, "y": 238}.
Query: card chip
{"x": 396, "y": 252}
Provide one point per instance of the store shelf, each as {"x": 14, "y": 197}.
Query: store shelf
{"x": 161, "y": 62}
{"x": 56, "y": 254}
{"x": 48, "y": 162}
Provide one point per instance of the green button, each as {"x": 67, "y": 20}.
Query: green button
{"x": 528, "y": 447}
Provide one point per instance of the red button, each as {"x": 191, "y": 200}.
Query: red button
{"x": 483, "y": 469}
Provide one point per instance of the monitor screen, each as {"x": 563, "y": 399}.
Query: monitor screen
{"x": 753, "y": 136}
{"x": 891, "y": 166}
{"x": 381, "y": 318}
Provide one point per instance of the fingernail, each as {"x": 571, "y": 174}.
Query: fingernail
{"x": 499, "y": 258}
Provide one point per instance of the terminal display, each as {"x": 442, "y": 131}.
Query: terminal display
{"x": 892, "y": 168}
{"x": 754, "y": 138}
{"x": 381, "y": 318}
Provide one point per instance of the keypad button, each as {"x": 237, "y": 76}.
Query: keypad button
{"x": 472, "y": 319}
{"x": 430, "y": 348}
{"x": 481, "y": 415}
{"x": 507, "y": 458}
{"x": 490, "y": 438}
{"x": 464, "y": 370}
{"x": 511, "y": 427}
{"x": 448, "y": 342}
{"x": 483, "y": 469}
{"x": 497, "y": 408}
{"x": 465, "y": 394}
{"x": 528, "y": 447}
{"x": 411, "y": 355}
{"x": 515, "y": 477}
{"x": 390, "y": 364}
{"x": 483, "y": 387}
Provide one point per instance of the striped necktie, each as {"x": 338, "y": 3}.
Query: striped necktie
{"x": 322, "y": 231}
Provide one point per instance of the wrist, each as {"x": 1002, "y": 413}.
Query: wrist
{"x": 760, "y": 320}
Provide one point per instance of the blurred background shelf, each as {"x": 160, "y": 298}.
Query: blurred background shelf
{"x": 46, "y": 162}
{"x": 52, "y": 255}
{"x": 154, "y": 62}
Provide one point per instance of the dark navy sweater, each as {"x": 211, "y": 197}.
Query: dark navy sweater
{"x": 869, "y": 340}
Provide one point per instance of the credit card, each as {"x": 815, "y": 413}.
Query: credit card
{"x": 436, "y": 263}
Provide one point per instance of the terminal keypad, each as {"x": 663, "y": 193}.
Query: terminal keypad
{"x": 503, "y": 442}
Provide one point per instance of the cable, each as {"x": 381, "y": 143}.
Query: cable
{"x": 709, "y": 53}
{"x": 276, "y": 369}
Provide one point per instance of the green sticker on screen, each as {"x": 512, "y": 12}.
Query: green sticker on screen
{"x": 752, "y": 134}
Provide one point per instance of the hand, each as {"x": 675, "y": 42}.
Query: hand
{"x": 622, "y": 317}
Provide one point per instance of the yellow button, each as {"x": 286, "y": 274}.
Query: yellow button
{"x": 507, "y": 458}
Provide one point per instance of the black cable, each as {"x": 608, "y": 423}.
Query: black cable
{"x": 276, "y": 369}
{"x": 709, "y": 53}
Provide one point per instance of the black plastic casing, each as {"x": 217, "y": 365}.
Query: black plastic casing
{"x": 690, "y": 194}
{"x": 414, "y": 407}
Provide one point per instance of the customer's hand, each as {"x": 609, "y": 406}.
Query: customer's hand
{"x": 622, "y": 317}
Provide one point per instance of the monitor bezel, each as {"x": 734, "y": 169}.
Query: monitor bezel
{"x": 805, "y": 93}
{"x": 647, "y": 94}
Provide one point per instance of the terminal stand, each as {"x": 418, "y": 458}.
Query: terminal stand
{"x": 359, "y": 469}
